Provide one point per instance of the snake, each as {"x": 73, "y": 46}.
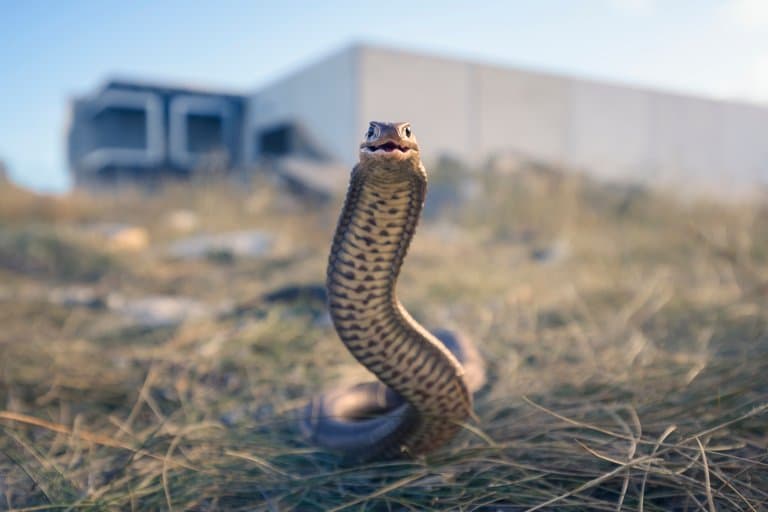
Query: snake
{"x": 426, "y": 379}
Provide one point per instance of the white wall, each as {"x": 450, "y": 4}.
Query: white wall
{"x": 322, "y": 96}
{"x": 522, "y": 113}
{"x": 608, "y": 129}
{"x": 644, "y": 135}
{"x": 434, "y": 94}
{"x": 473, "y": 111}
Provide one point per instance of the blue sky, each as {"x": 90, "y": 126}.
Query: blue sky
{"x": 51, "y": 50}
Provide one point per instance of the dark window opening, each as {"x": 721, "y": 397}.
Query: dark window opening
{"x": 276, "y": 141}
{"x": 120, "y": 128}
{"x": 205, "y": 133}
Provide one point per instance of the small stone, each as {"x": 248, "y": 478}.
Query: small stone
{"x": 236, "y": 243}
{"x": 122, "y": 237}
{"x": 183, "y": 221}
{"x": 77, "y": 296}
{"x": 161, "y": 310}
{"x": 131, "y": 239}
{"x": 555, "y": 252}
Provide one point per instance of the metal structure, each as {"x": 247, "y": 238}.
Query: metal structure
{"x": 132, "y": 132}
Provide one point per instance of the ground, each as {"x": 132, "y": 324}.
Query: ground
{"x": 626, "y": 332}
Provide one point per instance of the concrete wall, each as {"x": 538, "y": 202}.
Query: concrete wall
{"x": 608, "y": 129}
{"x": 522, "y": 113}
{"x": 621, "y": 132}
{"x": 321, "y": 98}
{"x": 475, "y": 111}
{"x": 434, "y": 94}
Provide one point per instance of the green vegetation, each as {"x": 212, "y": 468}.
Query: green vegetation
{"x": 626, "y": 333}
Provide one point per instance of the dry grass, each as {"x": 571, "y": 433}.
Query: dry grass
{"x": 626, "y": 331}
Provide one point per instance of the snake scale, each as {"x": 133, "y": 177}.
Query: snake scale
{"x": 427, "y": 379}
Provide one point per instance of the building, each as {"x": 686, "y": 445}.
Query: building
{"x": 136, "y": 132}
{"x": 475, "y": 112}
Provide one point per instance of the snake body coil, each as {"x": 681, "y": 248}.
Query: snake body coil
{"x": 425, "y": 393}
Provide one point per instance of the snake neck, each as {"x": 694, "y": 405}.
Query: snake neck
{"x": 375, "y": 229}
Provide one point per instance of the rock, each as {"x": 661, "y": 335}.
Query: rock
{"x": 555, "y": 252}
{"x": 236, "y": 243}
{"x": 130, "y": 239}
{"x": 162, "y": 310}
{"x": 183, "y": 221}
{"x": 122, "y": 237}
{"x": 77, "y": 296}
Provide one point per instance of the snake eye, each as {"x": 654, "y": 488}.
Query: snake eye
{"x": 407, "y": 131}
{"x": 371, "y": 132}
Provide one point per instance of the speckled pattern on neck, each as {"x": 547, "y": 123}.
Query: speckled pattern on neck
{"x": 375, "y": 229}
{"x": 424, "y": 395}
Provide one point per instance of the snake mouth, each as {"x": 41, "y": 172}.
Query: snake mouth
{"x": 387, "y": 147}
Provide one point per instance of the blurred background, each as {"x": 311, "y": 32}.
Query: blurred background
{"x": 596, "y": 220}
{"x": 629, "y": 88}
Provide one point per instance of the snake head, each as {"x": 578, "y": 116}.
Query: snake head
{"x": 389, "y": 142}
